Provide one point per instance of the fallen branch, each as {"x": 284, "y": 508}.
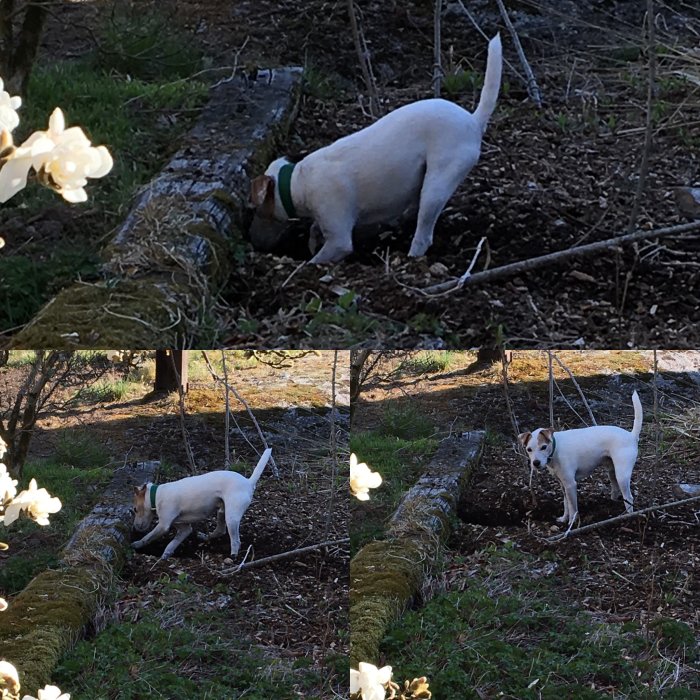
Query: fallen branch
{"x": 284, "y": 555}
{"x": 578, "y": 388}
{"x": 533, "y": 89}
{"x": 620, "y": 518}
{"x": 559, "y": 255}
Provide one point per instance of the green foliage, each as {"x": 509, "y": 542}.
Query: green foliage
{"x": 428, "y": 362}
{"x": 107, "y": 390}
{"x": 320, "y": 84}
{"x": 147, "y": 45}
{"x": 79, "y": 450}
{"x": 400, "y": 462}
{"x": 521, "y": 640}
{"x": 186, "y": 659}
{"x": 461, "y": 81}
{"x": 405, "y": 422}
{"x": 26, "y": 283}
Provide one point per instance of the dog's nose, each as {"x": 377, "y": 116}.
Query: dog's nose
{"x": 536, "y": 463}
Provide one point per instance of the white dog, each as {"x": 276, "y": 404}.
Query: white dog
{"x": 412, "y": 159}
{"x": 181, "y": 503}
{"x": 573, "y": 454}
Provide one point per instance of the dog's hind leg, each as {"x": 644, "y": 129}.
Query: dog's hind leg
{"x": 624, "y": 460}
{"x": 220, "y": 524}
{"x": 183, "y": 531}
{"x": 438, "y": 186}
{"x": 615, "y": 493}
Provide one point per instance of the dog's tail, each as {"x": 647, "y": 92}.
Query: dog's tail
{"x": 637, "y": 427}
{"x": 492, "y": 83}
{"x": 260, "y": 468}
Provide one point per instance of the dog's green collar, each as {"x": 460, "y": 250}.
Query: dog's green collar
{"x": 153, "y": 496}
{"x": 554, "y": 447}
{"x": 284, "y": 181}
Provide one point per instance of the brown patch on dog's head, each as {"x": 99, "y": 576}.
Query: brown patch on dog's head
{"x": 545, "y": 435}
{"x": 524, "y": 438}
{"x": 262, "y": 196}
{"x": 143, "y": 515}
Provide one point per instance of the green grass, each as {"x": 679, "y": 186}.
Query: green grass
{"x": 400, "y": 462}
{"x": 178, "y": 649}
{"x": 75, "y": 473}
{"x": 509, "y": 633}
{"x": 139, "y": 120}
{"x": 405, "y": 422}
{"x": 107, "y": 390}
{"x": 428, "y": 362}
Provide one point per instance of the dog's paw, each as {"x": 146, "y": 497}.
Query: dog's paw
{"x": 137, "y": 545}
{"x": 562, "y": 519}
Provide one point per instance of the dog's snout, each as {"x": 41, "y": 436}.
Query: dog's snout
{"x": 536, "y": 462}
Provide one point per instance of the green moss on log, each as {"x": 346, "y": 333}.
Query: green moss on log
{"x": 385, "y": 576}
{"x": 47, "y": 618}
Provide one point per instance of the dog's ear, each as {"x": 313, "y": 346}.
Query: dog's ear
{"x": 548, "y": 433}
{"x": 261, "y": 188}
{"x": 140, "y": 490}
{"x": 524, "y": 438}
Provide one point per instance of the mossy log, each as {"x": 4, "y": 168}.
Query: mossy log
{"x": 49, "y": 615}
{"x": 386, "y": 575}
{"x": 176, "y": 248}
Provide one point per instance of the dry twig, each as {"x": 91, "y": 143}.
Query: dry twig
{"x": 544, "y": 260}
{"x": 284, "y": 555}
{"x": 620, "y": 518}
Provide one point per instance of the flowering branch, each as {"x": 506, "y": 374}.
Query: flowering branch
{"x": 62, "y": 159}
{"x": 38, "y": 504}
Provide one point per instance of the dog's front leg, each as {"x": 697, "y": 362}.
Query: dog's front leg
{"x": 183, "y": 531}
{"x": 337, "y": 235}
{"x": 570, "y": 500}
{"x": 158, "y": 531}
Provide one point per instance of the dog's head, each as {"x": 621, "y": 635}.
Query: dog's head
{"x": 264, "y": 196}
{"x": 539, "y": 446}
{"x": 143, "y": 515}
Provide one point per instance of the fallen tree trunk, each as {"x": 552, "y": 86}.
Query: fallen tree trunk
{"x": 171, "y": 256}
{"x": 386, "y": 575}
{"x": 46, "y": 619}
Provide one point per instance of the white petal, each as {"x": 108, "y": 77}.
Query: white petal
{"x": 106, "y": 162}
{"x": 74, "y": 196}
{"x": 13, "y": 177}
{"x": 57, "y": 122}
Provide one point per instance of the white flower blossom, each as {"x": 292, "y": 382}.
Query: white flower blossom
{"x": 8, "y": 485}
{"x": 8, "y": 677}
{"x": 50, "y": 692}
{"x": 37, "y": 502}
{"x": 370, "y": 681}
{"x": 65, "y": 156}
{"x": 362, "y": 479}
{"x": 3, "y": 448}
{"x": 9, "y": 119}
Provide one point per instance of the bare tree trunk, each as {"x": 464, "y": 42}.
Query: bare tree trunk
{"x": 18, "y": 52}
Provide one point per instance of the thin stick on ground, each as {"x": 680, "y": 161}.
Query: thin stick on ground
{"x": 437, "y": 49}
{"x": 621, "y": 518}
{"x": 648, "y": 137}
{"x": 533, "y": 89}
{"x": 551, "y": 388}
{"x": 232, "y": 389}
{"x": 657, "y": 427}
{"x": 364, "y": 62}
{"x": 284, "y": 555}
{"x": 183, "y": 427}
{"x": 578, "y": 388}
{"x": 334, "y": 451}
{"x": 556, "y": 257}
{"x": 227, "y": 429}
